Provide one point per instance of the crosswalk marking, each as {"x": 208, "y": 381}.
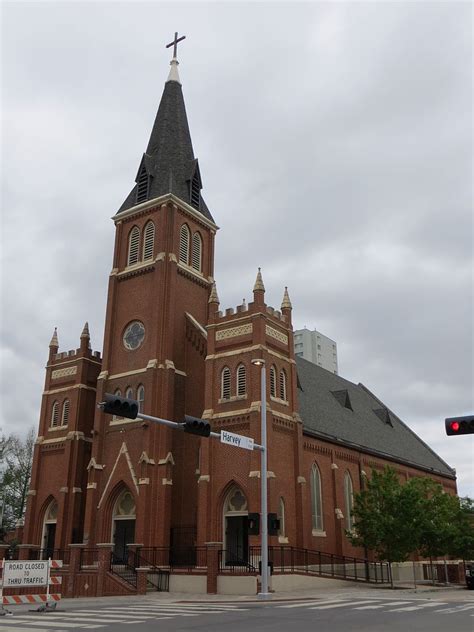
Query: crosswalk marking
{"x": 86, "y": 614}
{"x": 341, "y": 604}
{"x": 418, "y": 607}
{"x": 307, "y": 604}
{"x": 382, "y": 605}
{"x": 456, "y": 609}
{"x": 15, "y": 628}
{"x": 52, "y": 624}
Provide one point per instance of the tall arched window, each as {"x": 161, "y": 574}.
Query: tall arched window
{"x": 272, "y": 381}
{"x": 316, "y": 502}
{"x": 129, "y": 392}
{"x": 348, "y": 501}
{"x": 283, "y": 384}
{"x": 140, "y": 397}
{"x": 225, "y": 383}
{"x": 184, "y": 244}
{"x": 55, "y": 415}
{"x": 197, "y": 252}
{"x": 65, "y": 415}
{"x": 149, "y": 241}
{"x": 133, "y": 245}
{"x": 241, "y": 380}
{"x": 281, "y": 517}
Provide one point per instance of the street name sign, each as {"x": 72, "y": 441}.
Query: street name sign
{"x": 239, "y": 441}
{"x": 25, "y": 573}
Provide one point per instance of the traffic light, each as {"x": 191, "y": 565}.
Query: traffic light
{"x": 120, "y": 406}
{"x": 273, "y": 524}
{"x": 460, "y": 425}
{"x": 253, "y": 524}
{"x": 197, "y": 426}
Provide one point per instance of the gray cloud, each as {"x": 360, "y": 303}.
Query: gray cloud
{"x": 335, "y": 147}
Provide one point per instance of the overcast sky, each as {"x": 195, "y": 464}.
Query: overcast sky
{"x": 335, "y": 147}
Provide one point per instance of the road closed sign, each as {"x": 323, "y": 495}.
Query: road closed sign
{"x": 239, "y": 441}
{"x": 25, "y": 573}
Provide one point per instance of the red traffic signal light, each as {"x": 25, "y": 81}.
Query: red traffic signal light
{"x": 460, "y": 425}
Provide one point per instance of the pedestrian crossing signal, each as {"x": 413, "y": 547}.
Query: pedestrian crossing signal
{"x": 460, "y": 425}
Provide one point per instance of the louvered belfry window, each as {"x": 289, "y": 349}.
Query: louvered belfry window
{"x": 133, "y": 245}
{"x": 225, "y": 383}
{"x": 241, "y": 380}
{"x": 197, "y": 252}
{"x": 184, "y": 244}
{"x": 55, "y": 415}
{"x": 149, "y": 241}
{"x": 195, "y": 194}
{"x": 272, "y": 381}
{"x": 283, "y": 385}
{"x": 142, "y": 185}
{"x": 65, "y": 417}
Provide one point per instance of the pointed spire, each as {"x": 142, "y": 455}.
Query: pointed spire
{"x": 54, "y": 340}
{"x": 286, "y": 303}
{"x": 85, "y": 331}
{"x": 259, "y": 282}
{"x": 213, "y": 298}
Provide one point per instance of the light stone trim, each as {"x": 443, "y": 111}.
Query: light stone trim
{"x": 93, "y": 464}
{"x": 123, "y": 450}
{"x": 192, "y": 271}
{"x": 144, "y": 458}
{"x": 69, "y": 388}
{"x": 232, "y": 398}
{"x": 168, "y": 459}
{"x": 144, "y": 481}
{"x": 91, "y": 485}
{"x": 152, "y": 364}
{"x": 56, "y": 374}
{"x": 31, "y": 492}
{"x": 63, "y": 490}
{"x": 282, "y": 539}
{"x": 233, "y": 332}
{"x": 301, "y": 480}
{"x": 227, "y": 354}
{"x": 318, "y": 534}
{"x": 339, "y": 514}
{"x": 198, "y": 325}
{"x": 121, "y": 421}
{"x": 57, "y": 440}
{"x": 127, "y": 373}
{"x": 275, "y": 333}
{"x": 204, "y": 478}
{"x": 277, "y": 400}
{"x": 103, "y": 375}
{"x": 76, "y": 490}
{"x": 334, "y": 466}
{"x": 166, "y": 481}
{"x": 254, "y": 474}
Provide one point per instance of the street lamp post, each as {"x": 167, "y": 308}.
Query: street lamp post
{"x": 264, "y": 594}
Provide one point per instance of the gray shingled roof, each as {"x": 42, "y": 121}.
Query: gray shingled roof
{"x": 169, "y": 157}
{"x": 325, "y": 416}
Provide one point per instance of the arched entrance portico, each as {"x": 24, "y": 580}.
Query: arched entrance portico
{"x": 49, "y": 530}
{"x": 235, "y": 522}
{"x": 123, "y": 524}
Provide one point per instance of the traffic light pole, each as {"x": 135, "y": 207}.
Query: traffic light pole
{"x": 175, "y": 425}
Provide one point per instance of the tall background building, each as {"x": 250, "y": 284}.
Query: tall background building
{"x": 317, "y": 348}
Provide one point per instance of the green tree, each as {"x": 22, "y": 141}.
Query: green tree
{"x": 16, "y": 456}
{"x": 385, "y": 517}
{"x": 461, "y": 543}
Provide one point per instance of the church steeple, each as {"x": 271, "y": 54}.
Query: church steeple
{"x": 169, "y": 165}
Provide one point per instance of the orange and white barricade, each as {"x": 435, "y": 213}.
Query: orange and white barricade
{"x": 25, "y": 573}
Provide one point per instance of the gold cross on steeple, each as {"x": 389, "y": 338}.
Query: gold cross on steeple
{"x": 174, "y": 44}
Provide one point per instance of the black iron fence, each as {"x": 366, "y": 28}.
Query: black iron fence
{"x": 123, "y": 570}
{"x": 288, "y": 559}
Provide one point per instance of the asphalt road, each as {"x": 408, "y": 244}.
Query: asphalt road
{"x": 357, "y": 612}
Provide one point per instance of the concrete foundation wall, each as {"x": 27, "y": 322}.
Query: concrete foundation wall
{"x": 188, "y": 583}
{"x": 290, "y": 583}
{"x": 241, "y": 585}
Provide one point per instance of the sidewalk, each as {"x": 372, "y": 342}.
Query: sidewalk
{"x": 334, "y": 589}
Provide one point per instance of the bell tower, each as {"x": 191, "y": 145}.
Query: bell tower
{"x": 155, "y": 337}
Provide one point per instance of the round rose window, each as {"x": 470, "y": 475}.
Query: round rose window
{"x": 134, "y": 335}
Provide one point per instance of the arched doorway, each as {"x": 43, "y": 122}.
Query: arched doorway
{"x": 49, "y": 530}
{"x": 123, "y": 524}
{"x": 235, "y": 522}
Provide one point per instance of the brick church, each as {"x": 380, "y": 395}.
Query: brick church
{"x": 99, "y": 479}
